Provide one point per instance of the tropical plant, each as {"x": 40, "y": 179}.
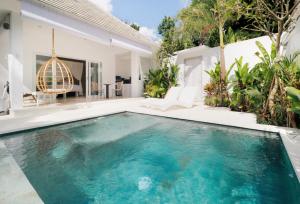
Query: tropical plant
{"x": 294, "y": 97}
{"x": 216, "y": 90}
{"x": 160, "y": 80}
{"x": 241, "y": 82}
{"x": 270, "y": 17}
{"x": 286, "y": 71}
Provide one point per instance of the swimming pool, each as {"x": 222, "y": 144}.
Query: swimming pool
{"x": 134, "y": 158}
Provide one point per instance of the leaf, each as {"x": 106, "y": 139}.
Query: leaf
{"x": 263, "y": 51}
{"x": 273, "y": 51}
{"x": 294, "y": 97}
{"x": 293, "y": 93}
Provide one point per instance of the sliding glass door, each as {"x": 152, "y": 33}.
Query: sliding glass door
{"x": 94, "y": 79}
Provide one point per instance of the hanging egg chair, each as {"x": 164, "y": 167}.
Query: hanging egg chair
{"x": 54, "y": 76}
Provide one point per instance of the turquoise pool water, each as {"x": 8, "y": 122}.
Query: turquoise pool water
{"x": 133, "y": 158}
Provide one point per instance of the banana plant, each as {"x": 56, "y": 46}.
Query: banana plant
{"x": 294, "y": 97}
{"x": 241, "y": 82}
{"x": 214, "y": 74}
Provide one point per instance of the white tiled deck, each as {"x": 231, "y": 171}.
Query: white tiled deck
{"x": 56, "y": 114}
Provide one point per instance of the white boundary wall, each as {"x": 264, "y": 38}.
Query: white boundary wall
{"x": 210, "y": 56}
{"x": 293, "y": 40}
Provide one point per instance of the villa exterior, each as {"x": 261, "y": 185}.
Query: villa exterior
{"x": 99, "y": 48}
{"x": 96, "y": 45}
{"x": 175, "y": 150}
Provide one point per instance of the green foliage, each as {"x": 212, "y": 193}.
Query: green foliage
{"x": 160, "y": 80}
{"x": 212, "y": 39}
{"x": 216, "y": 101}
{"x": 263, "y": 78}
{"x": 216, "y": 90}
{"x": 294, "y": 97}
{"x": 251, "y": 87}
{"x": 232, "y": 36}
{"x": 263, "y": 72}
{"x": 253, "y": 97}
{"x": 172, "y": 40}
{"x": 214, "y": 74}
{"x": 198, "y": 24}
{"x": 166, "y": 26}
{"x": 289, "y": 70}
{"x": 242, "y": 84}
{"x": 135, "y": 26}
{"x": 202, "y": 19}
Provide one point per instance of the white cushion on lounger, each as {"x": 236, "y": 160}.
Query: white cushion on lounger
{"x": 169, "y": 100}
{"x": 188, "y": 96}
{"x": 173, "y": 94}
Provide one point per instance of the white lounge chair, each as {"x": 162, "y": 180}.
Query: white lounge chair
{"x": 188, "y": 96}
{"x": 170, "y": 98}
{"x": 176, "y": 96}
{"x": 4, "y": 101}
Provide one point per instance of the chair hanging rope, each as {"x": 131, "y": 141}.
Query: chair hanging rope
{"x": 54, "y": 76}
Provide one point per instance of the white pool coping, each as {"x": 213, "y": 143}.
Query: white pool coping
{"x": 52, "y": 115}
{"x": 14, "y": 185}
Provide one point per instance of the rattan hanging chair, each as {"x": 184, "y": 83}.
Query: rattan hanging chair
{"x": 54, "y": 76}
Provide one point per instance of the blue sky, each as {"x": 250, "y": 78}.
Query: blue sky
{"x": 146, "y": 12}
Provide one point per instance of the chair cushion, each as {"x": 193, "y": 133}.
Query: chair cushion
{"x": 173, "y": 93}
{"x": 187, "y": 96}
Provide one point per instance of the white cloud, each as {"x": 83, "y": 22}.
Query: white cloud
{"x": 148, "y": 32}
{"x": 105, "y": 5}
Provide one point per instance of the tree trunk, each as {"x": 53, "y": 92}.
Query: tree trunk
{"x": 222, "y": 54}
{"x": 274, "y": 88}
{"x": 278, "y": 37}
{"x": 272, "y": 97}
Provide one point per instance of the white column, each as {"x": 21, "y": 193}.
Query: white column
{"x": 136, "y": 82}
{"x": 15, "y": 61}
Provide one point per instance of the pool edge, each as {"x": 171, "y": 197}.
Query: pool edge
{"x": 286, "y": 134}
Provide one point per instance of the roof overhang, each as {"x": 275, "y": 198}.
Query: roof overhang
{"x": 43, "y": 13}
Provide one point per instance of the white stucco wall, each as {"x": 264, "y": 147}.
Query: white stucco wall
{"x": 210, "y": 56}
{"x": 37, "y": 40}
{"x": 247, "y": 49}
{"x": 4, "y": 50}
{"x": 293, "y": 40}
{"x": 11, "y": 68}
{"x": 146, "y": 65}
{"x": 123, "y": 67}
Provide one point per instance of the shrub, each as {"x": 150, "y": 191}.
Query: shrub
{"x": 158, "y": 81}
{"x": 242, "y": 82}
{"x": 216, "y": 90}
